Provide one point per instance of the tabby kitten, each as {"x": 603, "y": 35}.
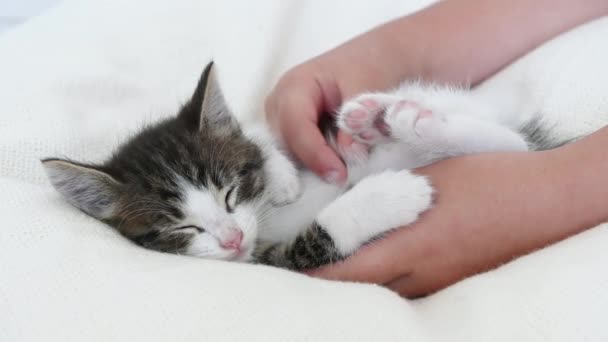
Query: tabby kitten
{"x": 198, "y": 184}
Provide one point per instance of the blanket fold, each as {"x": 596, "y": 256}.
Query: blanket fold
{"x": 78, "y": 79}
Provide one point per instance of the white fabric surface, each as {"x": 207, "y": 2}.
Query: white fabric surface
{"x": 74, "y": 81}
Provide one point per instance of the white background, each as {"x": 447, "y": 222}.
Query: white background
{"x": 14, "y": 12}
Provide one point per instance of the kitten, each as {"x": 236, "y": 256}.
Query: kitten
{"x": 199, "y": 184}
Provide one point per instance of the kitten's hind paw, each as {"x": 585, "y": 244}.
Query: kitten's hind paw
{"x": 364, "y": 117}
{"x": 412, "y": 122}
{"x": 377, "y": 118}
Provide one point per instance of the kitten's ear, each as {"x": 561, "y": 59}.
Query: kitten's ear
{"x": 207, "y": 108}
{"x": 85, "y": 187}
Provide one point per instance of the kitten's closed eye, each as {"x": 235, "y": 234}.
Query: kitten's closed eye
{"x": 161, "y": 187}
{"x": 199, "y": 229}
{"x": 166, "y": 195}
{"x": 249, "y": 168}
{"x": 230, "y": 199}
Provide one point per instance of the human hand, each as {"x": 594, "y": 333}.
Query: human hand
{"x": 316, "y": 88}
{"x": 431, "y": 44}
{"x": 489, "y": 209}
{"x": 299, "y": 101}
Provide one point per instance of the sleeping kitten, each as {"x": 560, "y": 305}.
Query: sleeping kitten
{"x": 199, "y": 184}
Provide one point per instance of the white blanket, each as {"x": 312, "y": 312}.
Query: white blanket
{"x": 76, "y": 80}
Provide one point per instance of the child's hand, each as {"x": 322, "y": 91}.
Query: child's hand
{"x": 489, "y": 209}
{"x": 319, "y": 86}
{"x": 300, "y": 99}
{"x": 432, "y": 44}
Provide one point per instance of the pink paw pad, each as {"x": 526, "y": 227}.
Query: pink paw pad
{"x": 368, "y": 135}
{"x": 401, "y": 105}
{"x": 366, "y": 122}
{"x": 356, "y": 119}
{"x": 382, "y": 126}
{"x": 370, "y": 104}
{"x": 423, "y": 114}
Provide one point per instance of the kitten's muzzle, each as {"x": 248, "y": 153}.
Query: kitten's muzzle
{"x": 233, "y": 240}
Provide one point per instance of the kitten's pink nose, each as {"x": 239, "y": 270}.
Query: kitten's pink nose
{"x": 233, "y": 241}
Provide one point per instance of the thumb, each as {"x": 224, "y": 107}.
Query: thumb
{"x": 301, "y": 134}
{"x": 378, "y": 263}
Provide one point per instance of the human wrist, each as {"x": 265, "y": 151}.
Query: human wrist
{"x": 580, "y": 170}
{"x": 553, "y": 194}
{"x": 374, "y": 60}
{"x": 528, "y": 196}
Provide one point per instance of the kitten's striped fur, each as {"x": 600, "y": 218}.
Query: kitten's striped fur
{"x": 199, "y": 184}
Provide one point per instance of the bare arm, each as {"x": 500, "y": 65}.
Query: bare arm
{"x": 470, "y": 40}
{"x": 489, "y": 209}
{"x": 459, "y": 41}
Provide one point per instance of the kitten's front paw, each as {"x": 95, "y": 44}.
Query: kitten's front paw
{"x": 283, "y": 184}
{"x": 374, "y": 206}
{"x": 364, "y": 117}
{"x": 285, "y": 190}
{"x": 411, "y": 121}
{"x": 374, "y": 118}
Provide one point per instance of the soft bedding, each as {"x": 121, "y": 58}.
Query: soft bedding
{"x": 81, "y": 77}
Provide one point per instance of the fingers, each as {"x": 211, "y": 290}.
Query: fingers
{"x": 410, "y": 287}
{"x": 296, "y": 118}
{"x": 379, "y": 263}
{"x": 392, "y": 262}
{"x": 426, "y": 280}
{"x": 309, "y": 146}
{"x": 343, "y": 139}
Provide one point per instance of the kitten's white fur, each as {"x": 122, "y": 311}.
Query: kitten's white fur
{"x": 370, "y": 209}
{"x": 406, "y": 128}
{"x": 283, "y": 185}
{"x": 439, "y": 122}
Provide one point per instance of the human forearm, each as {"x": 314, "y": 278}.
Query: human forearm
{"x": 513, "y": 203}
{"x": 455, "y": 41}
{"x": 458, "y": 41}
{"x": 578, "y": 179}
{"x": 489, "y": 208}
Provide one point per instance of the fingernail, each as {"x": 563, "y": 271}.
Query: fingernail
{"x": 332, "y": 177}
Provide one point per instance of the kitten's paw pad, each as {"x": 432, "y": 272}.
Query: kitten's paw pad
{"x": 410, "y": 119}
{"x": 363, "y": 117}
{"x": 285, "y": 190}
{"x": 428, "y": 123}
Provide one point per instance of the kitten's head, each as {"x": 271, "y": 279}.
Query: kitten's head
{"x": 191, "y": 185}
